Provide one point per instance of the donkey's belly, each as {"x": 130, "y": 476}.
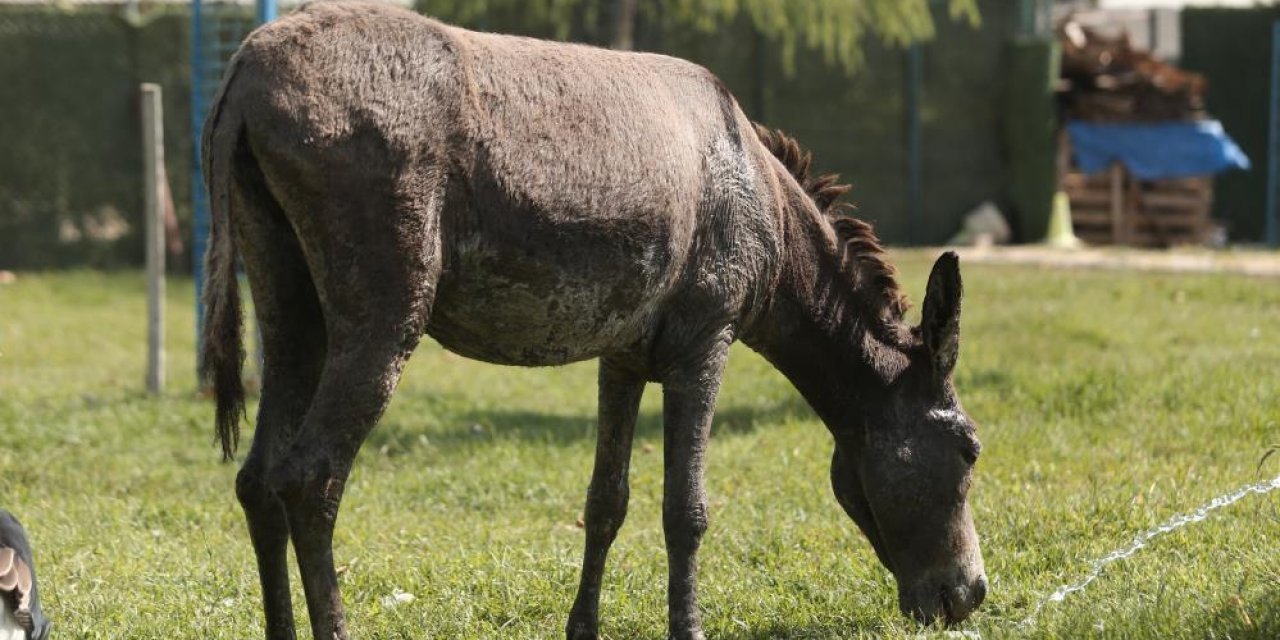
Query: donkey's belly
{"x": 537, "y": 305}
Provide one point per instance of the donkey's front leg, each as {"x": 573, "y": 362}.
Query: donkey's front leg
{"x": 689, "y": 397}
{"x": 620, "y": 391}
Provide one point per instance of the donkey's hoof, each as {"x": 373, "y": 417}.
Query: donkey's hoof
{"x": 687, "y": 634}
{"x": 582, "y": 631}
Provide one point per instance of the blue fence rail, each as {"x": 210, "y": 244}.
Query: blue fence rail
{"x": 217, "y": 28}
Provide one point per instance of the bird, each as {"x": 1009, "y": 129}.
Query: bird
{"x": 20, "y": 615}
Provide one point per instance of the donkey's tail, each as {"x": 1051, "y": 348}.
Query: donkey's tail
{"x": 222, "y": 344}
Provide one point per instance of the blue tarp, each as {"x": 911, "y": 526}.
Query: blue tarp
{"x": 1151, "y": 151}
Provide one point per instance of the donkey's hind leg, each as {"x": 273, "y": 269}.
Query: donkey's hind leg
{"x": 376, "y": 296}
{"x": 293, "y": 336}
{"x": 361, "y": 370}
{"x": 620, "y": 391}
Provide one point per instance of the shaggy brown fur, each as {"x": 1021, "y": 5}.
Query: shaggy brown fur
{"x": 385, "y": 176}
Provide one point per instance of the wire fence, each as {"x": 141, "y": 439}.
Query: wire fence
{"x": 72, "y": 153}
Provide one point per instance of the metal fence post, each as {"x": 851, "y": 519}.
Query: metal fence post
{"x": 154, "y": 177}
{"x": 1035, "y": 17}
{"x": 914, "y": 89}
{"x": 1273, "y": 147}
{"x": 266, "y": 11}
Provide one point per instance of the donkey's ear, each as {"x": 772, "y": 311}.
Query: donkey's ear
{"x": 940, "y": 317}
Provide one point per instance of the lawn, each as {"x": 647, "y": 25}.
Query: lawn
{"x": 1108, "y": 403}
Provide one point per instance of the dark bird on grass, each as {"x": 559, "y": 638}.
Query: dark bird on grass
{"x": 20, "y": 615}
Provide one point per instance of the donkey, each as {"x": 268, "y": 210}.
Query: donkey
{"x": 385, "y": 176}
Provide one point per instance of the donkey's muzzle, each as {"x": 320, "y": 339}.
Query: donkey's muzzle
{"x": 951, "y": 602}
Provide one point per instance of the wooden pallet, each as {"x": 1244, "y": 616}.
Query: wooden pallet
{"x": 1115, "y": 208}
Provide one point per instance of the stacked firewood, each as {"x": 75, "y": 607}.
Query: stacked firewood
{"x": 1105, "y": 79}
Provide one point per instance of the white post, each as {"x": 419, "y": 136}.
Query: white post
{"x": 153, "y": 170}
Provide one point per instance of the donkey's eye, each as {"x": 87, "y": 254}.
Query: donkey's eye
{"x": 970, "y": 451}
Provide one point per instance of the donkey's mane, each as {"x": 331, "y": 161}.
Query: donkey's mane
{"x": 861, "y": 255}
{"x": 825, "y": 190}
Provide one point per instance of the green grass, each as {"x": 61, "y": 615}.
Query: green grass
{"x": 1108, "y": 402}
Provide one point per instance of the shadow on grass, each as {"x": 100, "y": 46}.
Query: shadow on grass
{"x": 819, "y": 630}
{"x": 478, "y": 426}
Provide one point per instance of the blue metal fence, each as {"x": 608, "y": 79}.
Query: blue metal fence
{"x": 217, "y": 28}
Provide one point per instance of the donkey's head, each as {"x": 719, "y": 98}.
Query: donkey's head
{"x": 905, "y": 449}
{"x": 903, "y": 475}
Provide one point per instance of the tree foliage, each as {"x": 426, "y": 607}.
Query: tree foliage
{"x": 836, "y": 28}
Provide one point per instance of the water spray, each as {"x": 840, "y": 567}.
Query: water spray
{"x": 1142, "y": 539}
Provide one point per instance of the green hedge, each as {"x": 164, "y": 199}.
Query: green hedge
{"x": 856, "y": 126}
{"x": 70, "y": 156}
{"x": 70, "y": 150}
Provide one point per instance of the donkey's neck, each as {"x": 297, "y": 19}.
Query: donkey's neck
{"x": 815, "y": 328}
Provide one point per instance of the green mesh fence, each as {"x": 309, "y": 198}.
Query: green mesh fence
{"x": 1232, "y": 47}
{"x": 70, "y": 156}
{"x": 70, "y": 174}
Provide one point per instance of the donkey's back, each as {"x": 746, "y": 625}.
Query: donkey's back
{"x": 553, "y": 196}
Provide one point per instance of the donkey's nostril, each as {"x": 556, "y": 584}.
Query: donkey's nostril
{"x": 979, "y": 591}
